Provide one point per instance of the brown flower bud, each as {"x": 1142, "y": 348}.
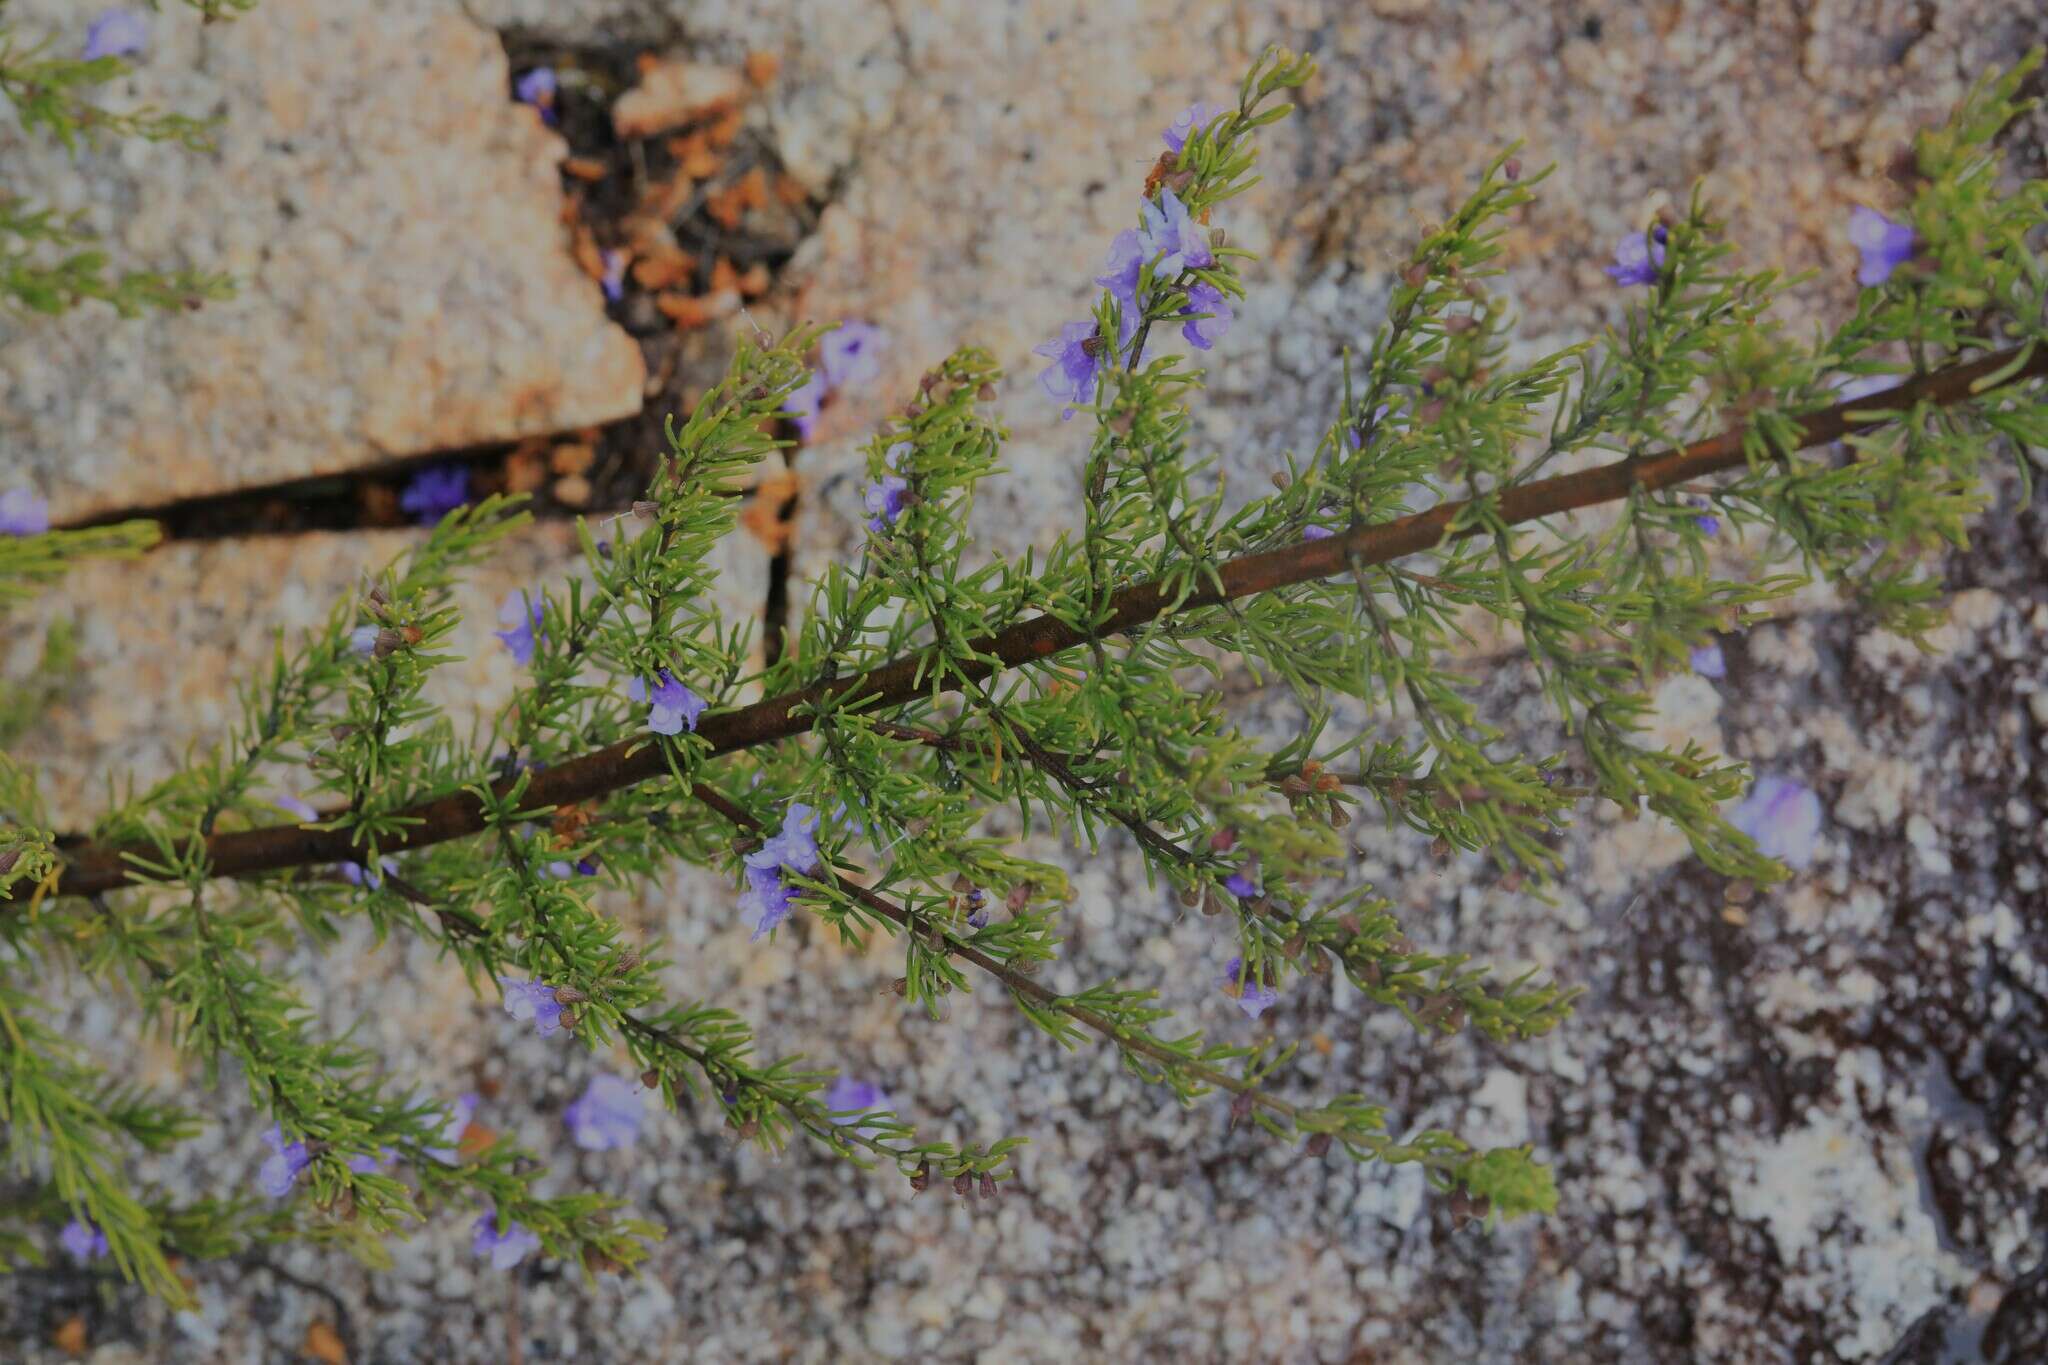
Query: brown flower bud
{"x": 1241, "y": 1108}
{"x": 914, "y": 411}
{"x": 388, "y": 643}
{"x": 963, "y": 1185}
{"x": 1459, "y": 323}
{"x": 921, "y": 1181}
{"x": 1293, "y": 786}
{"x": 645, "y": 510}
{"x": 651, "y": 1078}
{"x": 377, "y": 595}
{"x": 1440, "y": 848}
{"x": 1429, "y": 412}
{"x": 1019, "y": 897}
{"x": 1223, "y": 840}
{"x": 1415, "y": 276}
{"x": 1212, "y": 904}
{"x": 749, "y": 1130}
{"x": 341, "y": 732}
{"x": 915, "y": 828}
{"x": 986, "y": 393}
{"x": 900, "y": 986}
{"x": 8, "y": 859}
{"x": 1398, "y": 789}
{"x": 597, "y": 1263}
{"x": 568, "y": 995}
{"x": 1281, "y": 478}
{"x": 988, "y": 1186}
{"x": 627, "y": 961}
{"x": 1512, "y": 168}
{"x": 1191, "y": 897}
{"x": 1319, "y": 1144}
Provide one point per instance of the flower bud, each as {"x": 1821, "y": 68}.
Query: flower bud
{"x": 988, "y": 1186}
{"x": 1280, "y": 478}
{"x": 8, "y": 859}
{"x": 645, "y": 510}
{"x": 1019, "y": 897}
{"x": 1319, "y": 1144}
{"x": 1223, "y": 840}
{"x": 1459, "y": 323}
{"x": 1240, "y": 1108}
{"x": 986, "y": 393}
{"x": 963, "y": 1185}
{"x": 921, "y": 1181}
{"x": 651, "y": 1078}
{"x": 1440, "y": 848}
{"x": 1415, "y": 276}
{"x": 1293, "y": 786}
{"x": 388, "y": 643}
{"x": 568, "y": 995}
{"x": 1512, "y": 168}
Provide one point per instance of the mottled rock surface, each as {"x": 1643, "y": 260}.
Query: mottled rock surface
{"x": 391, "y": 220}
{"x": 1802, "y": 1127}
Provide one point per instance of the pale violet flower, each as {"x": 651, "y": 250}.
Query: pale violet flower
{"x": 82, "y": 1241}
{"x": 116, "y": 33}
{"x": 1783, "y": 818}
{"x": 671, "y": 707}
{"x": 281, "y": 1170}
{"x": 1172, "y": 239}
{"x": 1076, "y": 355}
{"x": 607, "y": 1115}
{"x": 534, "y": 1001}
{"x": 520, "y": 616}
{"x": 22, "y": 513}
{"x": 504, "y": 1242}
{"x": 1247, "y": 993}
{"x": 1883, "y": 245}
{"x": 459, "y": 1115}
{"x": 1708, "y": 663}
{"x": 1188, "y": 122}
{"x": 1637, "y": 261}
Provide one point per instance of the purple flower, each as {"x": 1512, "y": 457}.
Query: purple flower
{"x": 977, "y": 909}
{"x": 1076, "y": 357}
{"x": 1883, "y": 244}
{"x": 852, "y": 354}
{"x": 1190, "y": 121}
{"x": 82, "y": 1241}
{"x": 1203, "y": 297}
{"x": 1782, "y": 817}
{"x": 22, "y": 513}
{"x": 607, "y": 1117}
{"x": 1173, "y": 241}
{"x": 1126, "y": 261}
{"x": 435, "y": 491}
{"x": 520, "y": 615}
{"x": 116, "y": 33}
{"x": 849, "y": 1096}
{"x": 1637, "y": 261}
{"x": 671, "y": 707}
{"x": 535, "y": 1000}
{"x": 613, "y": 281}
{"x": 537, "y": 88}
{"x": 885, "y": 496}
{"x": 1709, "y": 524}
{"x": 803, "y": 403}
{"x": 506, "y": 1243}
{"x": 1708, "y": 663}
{"x": 281, "y": 1171}
{"x": 459, "y": 1115}
{"x": 303, "y": 809}
{"x": 766, "y": 900}
{"x": 1250, "y": 996}
{"x": 356, "y": 874}
{"x": 794, "y": 848}
{"x": 1317, "y": 533}
{"x": 363, "y": 1164}
{"x": 363, "y": 640}
{"x": 1238, "y": 884}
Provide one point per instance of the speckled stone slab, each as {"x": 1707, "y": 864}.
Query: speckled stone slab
{"x": 391, "y": 219}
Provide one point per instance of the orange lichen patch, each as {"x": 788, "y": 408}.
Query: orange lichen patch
{"x": 694, "y": 156}
{"x": 663, "y": 270}
{"x": 573, "y": 491}
{"x": 571, "y": 457}
{"x": 323, "y": 1343}
{"x": 762, "y": 67}
{"x": 70, "y": 1336}
{"x": 688, "y": 313}
{"x": 724, "y": 130}
{"x": 476, "y": 1140}
{"x": 526, "y": 468}
{"x": 723, "y": 276}
{"x": 663, "y": 199}
{"x": 762, "y": 516}
{"x": 754, "y": 283}
{"x": 584, "y": 168}
{"x": 588, "y": 255}
{"x": 753, "y": 188}
{"x": 790, "y": 190}
{"x": 727, "y": 207}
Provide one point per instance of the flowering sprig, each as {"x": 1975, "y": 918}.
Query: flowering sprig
{"x": 929, "y": 683}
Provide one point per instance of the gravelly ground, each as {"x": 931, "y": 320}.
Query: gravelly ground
{"x": 1802, "y": 1128}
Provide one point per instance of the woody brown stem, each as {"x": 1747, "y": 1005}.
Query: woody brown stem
{"x": 457, "y": 815}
